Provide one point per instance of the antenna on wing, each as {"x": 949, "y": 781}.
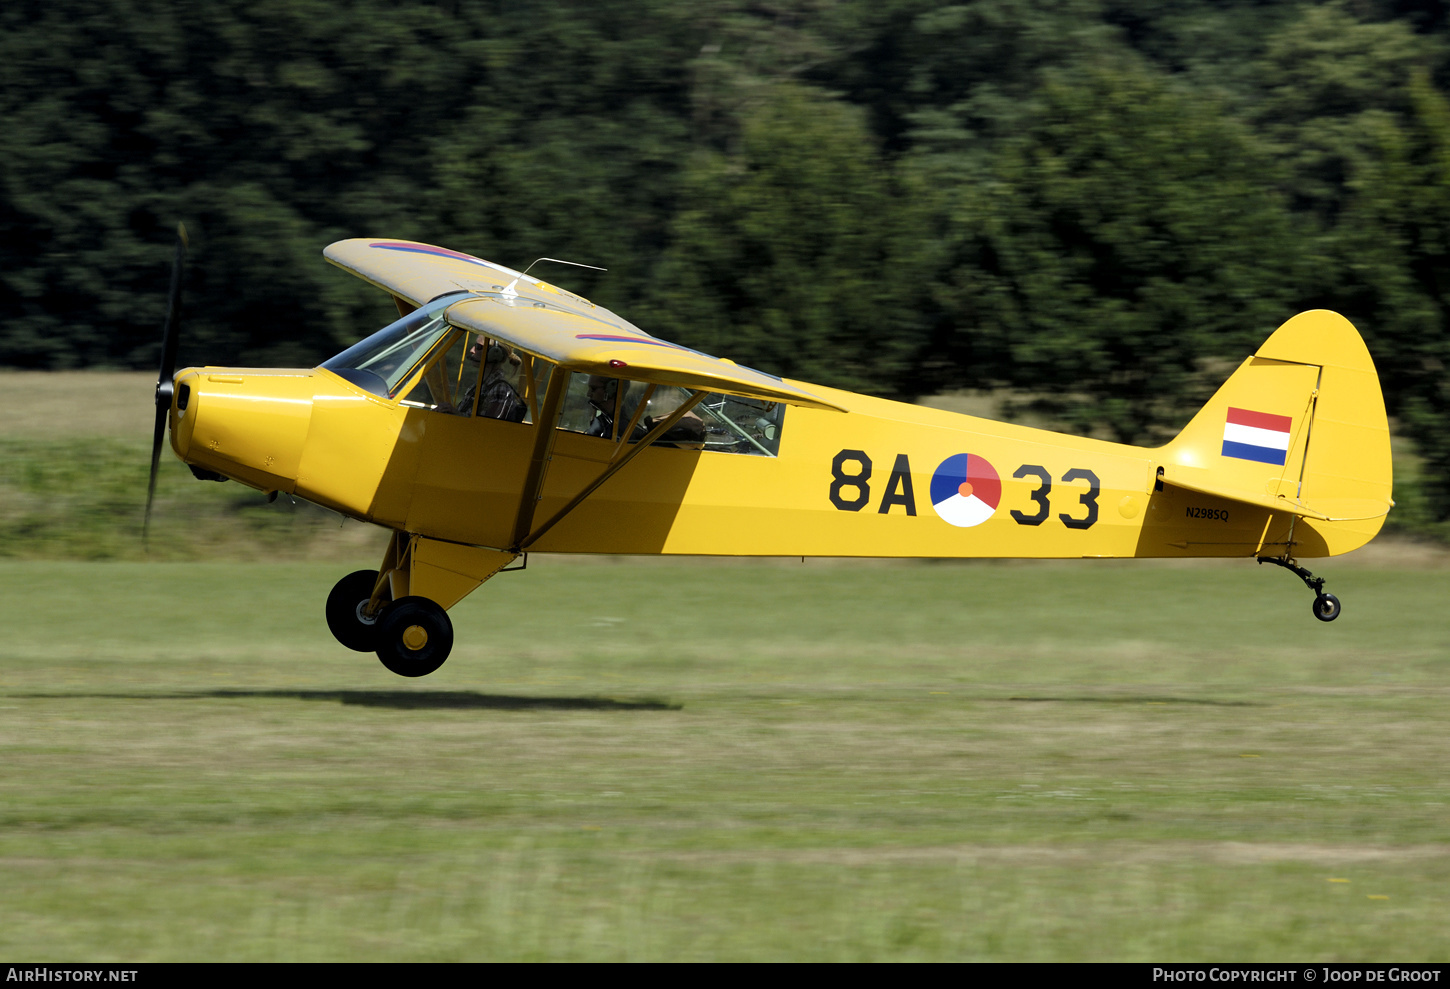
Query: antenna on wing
{"x": 511, "y": 291}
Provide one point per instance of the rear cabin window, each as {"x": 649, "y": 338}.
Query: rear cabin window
{"x": 610, "y": 408}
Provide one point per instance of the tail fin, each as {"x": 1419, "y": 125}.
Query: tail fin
{"x": 1299, "y": 428}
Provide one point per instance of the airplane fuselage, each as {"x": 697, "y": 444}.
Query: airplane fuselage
{"x": 886, "y": 479}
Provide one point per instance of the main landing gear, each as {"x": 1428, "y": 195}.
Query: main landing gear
{"x": 412, "y": 636}
{"x": 400, "y": 611}
{"x": 1326, "y": 606}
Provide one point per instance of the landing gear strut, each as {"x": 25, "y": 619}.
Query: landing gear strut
{"x": 1326, "y": 606}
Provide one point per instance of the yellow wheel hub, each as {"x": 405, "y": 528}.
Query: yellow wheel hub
{"x": 415, "y": 637}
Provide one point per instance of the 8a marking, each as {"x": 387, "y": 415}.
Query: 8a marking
{"x": 850, "y": 490}
{"x": 860, "y": 480}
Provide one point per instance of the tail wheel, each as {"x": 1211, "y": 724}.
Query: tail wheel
{"x": 414, "y": 637}
{"x": 1326, "y": 607}
{"x": 345, "y": 616}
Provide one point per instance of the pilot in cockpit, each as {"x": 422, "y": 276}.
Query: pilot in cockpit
{"x": 499, "y": 399}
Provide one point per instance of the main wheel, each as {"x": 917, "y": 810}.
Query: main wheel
{"x": 345, "y": 611}
{"x": 1326, "y": 607}
{"x": 414, "y": 637}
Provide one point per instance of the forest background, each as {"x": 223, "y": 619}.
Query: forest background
{"x": 1092, "y": 207}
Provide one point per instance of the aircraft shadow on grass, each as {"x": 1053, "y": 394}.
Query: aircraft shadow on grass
{"x": 472, "y": 700}
{"x": 401, "y": 699}
{"x": 1091, "y": 699}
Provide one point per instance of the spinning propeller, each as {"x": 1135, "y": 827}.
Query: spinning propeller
{"x": 164, "y": 386}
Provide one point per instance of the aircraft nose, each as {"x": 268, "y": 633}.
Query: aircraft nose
{"x": 183, "y": 415}
{"x": 243, "y": 423}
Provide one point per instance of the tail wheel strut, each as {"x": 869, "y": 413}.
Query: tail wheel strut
{"x": 1326, "y": 606}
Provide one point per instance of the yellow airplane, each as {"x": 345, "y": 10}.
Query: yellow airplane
{"x": 502, "y": 415}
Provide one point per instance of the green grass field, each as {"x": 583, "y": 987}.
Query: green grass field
{"x": 662, "y": 760}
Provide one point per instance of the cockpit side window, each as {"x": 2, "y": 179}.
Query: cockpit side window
{"x": 449, "y": 382}
{"x": 505, "y": 379}
{"x": 470, "y": 374}
{"x": 601, "y": 406}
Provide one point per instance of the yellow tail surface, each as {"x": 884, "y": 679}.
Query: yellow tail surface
{"x": 1299, "y": 428}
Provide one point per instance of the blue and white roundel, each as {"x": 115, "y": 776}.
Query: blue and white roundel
{"x": 965, "y": 490}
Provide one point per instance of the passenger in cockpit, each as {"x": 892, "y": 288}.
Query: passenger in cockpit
{"x": 611, "y": 397}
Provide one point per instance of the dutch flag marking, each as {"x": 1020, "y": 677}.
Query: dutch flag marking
{"x": 1257, "y": 436}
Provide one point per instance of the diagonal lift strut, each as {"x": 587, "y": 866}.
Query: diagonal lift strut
{"x": 524, "y": 534}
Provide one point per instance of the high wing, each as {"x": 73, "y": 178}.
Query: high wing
{"x": 594, "y": 346}
{"x": 549, "y": 322}
{"x": 417, "y": 273}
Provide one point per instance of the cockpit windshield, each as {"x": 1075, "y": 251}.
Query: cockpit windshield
{"x": 381, "y": 363}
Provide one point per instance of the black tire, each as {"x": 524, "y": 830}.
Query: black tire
{"x": 415, "y": 636}
{"x": 344, "y": 611}
{"x": 1326, "y": 607}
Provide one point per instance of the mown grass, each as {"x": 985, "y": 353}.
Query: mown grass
{"x": 750, "y": 761}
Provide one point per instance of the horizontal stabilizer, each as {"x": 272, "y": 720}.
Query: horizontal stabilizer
{"x": 1278, "y": 503}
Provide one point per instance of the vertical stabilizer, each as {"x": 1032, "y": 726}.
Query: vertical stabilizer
{"x": 1299, "y": 426}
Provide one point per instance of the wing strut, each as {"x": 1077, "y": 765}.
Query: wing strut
{"x": 547, "y": 422}
{"x": 635, "y": 449}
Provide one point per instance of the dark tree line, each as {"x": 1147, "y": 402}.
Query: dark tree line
{"x": 1095, "y": 202}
